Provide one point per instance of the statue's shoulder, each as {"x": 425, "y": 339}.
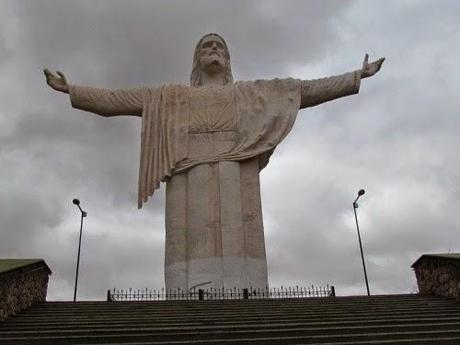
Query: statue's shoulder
{"x": 167, "y": 87}
{"x": 172, "y": 87}
{"x": 273, "y": 84}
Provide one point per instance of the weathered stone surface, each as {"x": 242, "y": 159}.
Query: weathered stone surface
{"x": 21, "y": 287}
{"x": 208, "y": 142}
{"x": 438, "y": 274}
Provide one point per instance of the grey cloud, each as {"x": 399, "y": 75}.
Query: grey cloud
{"x": 398, "y": 138}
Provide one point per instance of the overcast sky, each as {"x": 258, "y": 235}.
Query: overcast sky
{"x": 398, "y": 139}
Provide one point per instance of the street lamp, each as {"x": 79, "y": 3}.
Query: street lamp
{"x": 83, "y": 215}
{"x": 355, "y": 206}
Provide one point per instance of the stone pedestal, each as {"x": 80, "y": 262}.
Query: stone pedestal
{"x": 22, "y": 283}
{"x": 438, "y": 274}
{"x": 214, "y": 230}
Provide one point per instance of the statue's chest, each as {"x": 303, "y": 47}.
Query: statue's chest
{"x": 212, "y": 109}
{"x": 213, "y": 121}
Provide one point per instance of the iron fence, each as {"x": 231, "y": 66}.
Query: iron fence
{"x": 120, "y": 295}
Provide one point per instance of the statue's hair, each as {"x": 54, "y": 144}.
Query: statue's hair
{"x": 195, "y": 77}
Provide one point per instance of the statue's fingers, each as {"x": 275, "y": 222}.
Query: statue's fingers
{"x": 62, "y": 76}
{"x": 379, "y": 63}
{"x": 48, "y": 76}
{"x": 366, "y": 60}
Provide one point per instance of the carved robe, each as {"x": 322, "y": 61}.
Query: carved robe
{"x": 209, "y": 144}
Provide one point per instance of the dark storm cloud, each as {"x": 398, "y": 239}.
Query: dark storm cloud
{"x": 143, "y": 42}
{"x": 397, "y": 138}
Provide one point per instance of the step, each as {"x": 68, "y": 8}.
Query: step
{"x": 255, "y": 340}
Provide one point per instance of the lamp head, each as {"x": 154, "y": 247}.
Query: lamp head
{"x": 76, "y": 201}
{"x": 361, "y": 192}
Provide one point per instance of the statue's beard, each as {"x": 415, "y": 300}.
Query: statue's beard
{"x": 212, "y": 64}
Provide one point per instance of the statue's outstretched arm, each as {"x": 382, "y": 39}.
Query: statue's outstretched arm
{"x": 317, "y": 91}
{"x": 98, "y": 100}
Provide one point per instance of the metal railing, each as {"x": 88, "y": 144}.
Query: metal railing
{"x": 120, "y": 295}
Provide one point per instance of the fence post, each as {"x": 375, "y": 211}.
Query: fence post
{"x": 332, "y": 291}
{"x": 200, "y": 294}
{"x": 245, "y": 293}
{"x": 109, "y": 297}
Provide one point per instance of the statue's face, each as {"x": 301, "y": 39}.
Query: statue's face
{"x": 212, "y": 55}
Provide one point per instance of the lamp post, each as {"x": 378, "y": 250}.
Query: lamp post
{"x": 355, "y": 206}
{"x": 83, "y": 215}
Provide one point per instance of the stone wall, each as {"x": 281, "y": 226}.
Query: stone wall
{"x": 439, "y": 277}
{"x": 19, "y": 289}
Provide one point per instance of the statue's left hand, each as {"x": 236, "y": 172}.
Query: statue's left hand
{"x": 369, "y": 69}
{"x": 58, "y": 83}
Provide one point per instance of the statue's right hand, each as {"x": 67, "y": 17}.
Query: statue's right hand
{"x": 58, "y": 83}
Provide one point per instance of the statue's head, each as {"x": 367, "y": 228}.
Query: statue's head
{"x": 212, "y": 57}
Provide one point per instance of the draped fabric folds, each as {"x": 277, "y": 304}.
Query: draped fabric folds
{"x": 266, "y": 111}
{"x": 163, "y": 136}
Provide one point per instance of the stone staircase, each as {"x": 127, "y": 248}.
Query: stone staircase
{"x": 388, "y": 319}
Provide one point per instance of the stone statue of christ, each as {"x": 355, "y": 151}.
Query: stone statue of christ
{"x": 208, "y": 142}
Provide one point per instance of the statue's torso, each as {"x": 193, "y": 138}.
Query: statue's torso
{"x": 213, "y": 127}
{"x": 214, "y": 230}
{"x": 212, "y": 109}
